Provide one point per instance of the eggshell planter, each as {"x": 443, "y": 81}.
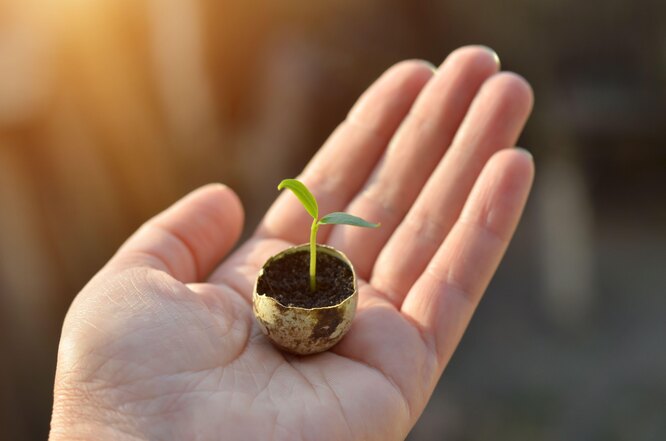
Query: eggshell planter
{"x": 279, "y": 302}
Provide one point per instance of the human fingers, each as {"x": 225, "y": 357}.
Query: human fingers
{"x": 343, "y": 164}
{"x": 443, "y": 299}
{"x": 188, "y": 239}
{"x": 413, "y": 153}
{"x": 494, "y": 122}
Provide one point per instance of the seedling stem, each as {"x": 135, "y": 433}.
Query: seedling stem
{"x": 310, "y": 203}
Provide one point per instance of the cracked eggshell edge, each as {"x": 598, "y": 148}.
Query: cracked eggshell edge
{"x": 299, "y": 330}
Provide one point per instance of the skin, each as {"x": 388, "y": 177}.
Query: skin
{"x": 162, "y": 343}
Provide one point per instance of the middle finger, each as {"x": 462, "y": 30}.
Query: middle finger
{"x": 413, "y": 154}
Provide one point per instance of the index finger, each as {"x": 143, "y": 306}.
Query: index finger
{"x": 343, "y": 164}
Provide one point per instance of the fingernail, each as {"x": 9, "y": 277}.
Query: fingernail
{"x": 430, "y": 65}
{"x": 494, "y": 54}
{"x": 525, "y": 152}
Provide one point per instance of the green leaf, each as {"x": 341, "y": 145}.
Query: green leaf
{"x": 303, "y": 195}
{"x": 346, "y": 219}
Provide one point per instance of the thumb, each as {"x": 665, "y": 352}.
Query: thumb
{"x": 188, "y": 239}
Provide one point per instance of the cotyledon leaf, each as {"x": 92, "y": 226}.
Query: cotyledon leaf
{"x": 303, "y": 195}
{"x": 338, "y": 218}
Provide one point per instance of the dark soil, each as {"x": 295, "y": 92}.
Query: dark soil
{"x": 287, "y": 280}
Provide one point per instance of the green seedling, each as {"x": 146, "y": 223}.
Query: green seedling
{"x": 310, "y": 203}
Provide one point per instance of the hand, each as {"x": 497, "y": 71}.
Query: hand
{"x": 162, "y": 343}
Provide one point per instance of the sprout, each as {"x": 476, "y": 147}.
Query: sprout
{"x": 310, "y": 204}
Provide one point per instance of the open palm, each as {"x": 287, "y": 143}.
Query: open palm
{"x": 162, "y": 343}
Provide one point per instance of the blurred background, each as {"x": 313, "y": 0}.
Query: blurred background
{"x": 110, "y": 110}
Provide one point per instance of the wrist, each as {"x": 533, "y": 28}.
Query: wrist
{"x": 78, "y": 415}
